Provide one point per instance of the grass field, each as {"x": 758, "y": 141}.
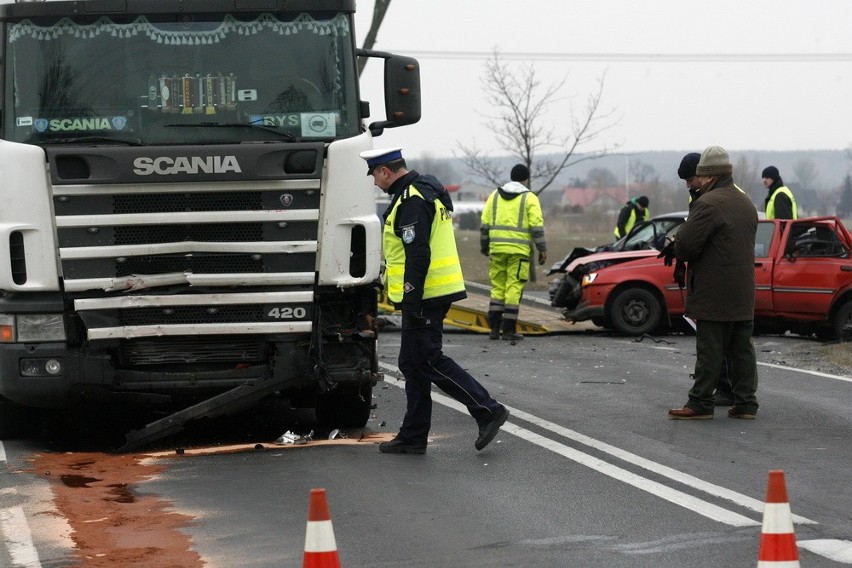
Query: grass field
{"x": 559, "y": 244}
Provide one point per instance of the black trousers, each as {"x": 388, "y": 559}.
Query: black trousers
{"x": 713, "y": 340}
{"x": 423, "y": 363}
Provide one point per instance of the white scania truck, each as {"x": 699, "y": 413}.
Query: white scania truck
{"x": 184, "y": 216}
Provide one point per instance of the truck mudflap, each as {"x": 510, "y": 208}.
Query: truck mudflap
{"x": 238, "y": 398}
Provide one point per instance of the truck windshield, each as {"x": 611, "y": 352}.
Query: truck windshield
{"x": 180, "y": 79}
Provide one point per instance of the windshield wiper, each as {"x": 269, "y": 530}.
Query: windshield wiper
{"x": 263, "y": 127}
{"x": 83, "y": 139}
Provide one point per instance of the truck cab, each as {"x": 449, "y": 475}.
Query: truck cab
{"x": 186, "y": 216}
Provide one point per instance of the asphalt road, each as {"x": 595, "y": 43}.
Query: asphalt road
{"x": 587, "y": 472}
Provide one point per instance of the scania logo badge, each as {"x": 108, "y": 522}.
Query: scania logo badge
{"x": 286, "y": 200}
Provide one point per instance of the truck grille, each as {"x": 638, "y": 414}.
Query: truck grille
{"x": 187, "y": 255}
{"x": 190, "y": 350}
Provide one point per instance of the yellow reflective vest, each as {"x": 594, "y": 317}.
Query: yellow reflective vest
{"x": 631, "y": 220}
{"x": 444, "y": 275}
{"x": 770, "y": 205}
{"x": 511, "y": 223}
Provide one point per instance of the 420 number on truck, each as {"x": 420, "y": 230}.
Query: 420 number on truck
{"x": 185, "y": 219}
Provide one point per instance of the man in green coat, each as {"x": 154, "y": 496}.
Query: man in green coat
{"x": 717, "y": 240}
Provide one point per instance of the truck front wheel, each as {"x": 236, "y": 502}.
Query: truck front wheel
{"x": 17, "y": 421}
{"x": 345, "y": 407}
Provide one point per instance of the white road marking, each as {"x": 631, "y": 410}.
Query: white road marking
{"x": 15, "y": 530}
{"x": 833, "y": 549}
{"x": 18, "y": 539}
{"x": 680, "y": 498}
{"x": 807, "y": 372}
{"x": 775, "y": 366}
{"x": 665, "y": 471}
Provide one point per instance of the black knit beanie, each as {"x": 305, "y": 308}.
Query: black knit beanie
{"x": 520, "y": 173}
{"x": 771, "y": 172}
{"x": 688, "y": 165}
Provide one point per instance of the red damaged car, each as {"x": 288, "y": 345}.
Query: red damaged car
{"x": 803, "y": 274}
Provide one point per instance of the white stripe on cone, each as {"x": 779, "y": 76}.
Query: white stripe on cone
{"x": 778, "y": 564}
{"x": 777, "y": 518}
{"x": 319, "y": 537}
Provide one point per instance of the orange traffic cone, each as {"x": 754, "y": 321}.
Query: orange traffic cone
{"x": 320, "y": 548}
{"x": 777, "y": 541}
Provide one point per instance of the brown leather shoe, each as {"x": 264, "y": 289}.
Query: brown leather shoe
{"x": 735, "y": 412}
{"x": 687, "y": 413}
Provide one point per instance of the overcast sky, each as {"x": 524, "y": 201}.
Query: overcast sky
{"x": 679, "y": 75}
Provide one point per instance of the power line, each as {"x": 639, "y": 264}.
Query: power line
{"x": 635, "y": 57}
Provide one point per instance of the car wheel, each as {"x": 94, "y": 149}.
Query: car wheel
{"x": 843, "y": 321}
{"x": 635, "y": 311}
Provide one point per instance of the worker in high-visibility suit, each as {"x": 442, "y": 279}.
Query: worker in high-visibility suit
{"x": 780, "y": 202}
{"x": 511, "y": 222}
{"x": 634, "y": 211}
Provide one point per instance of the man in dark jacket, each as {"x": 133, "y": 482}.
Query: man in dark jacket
{"x": 723, "y": 395}
{"x": 717, "y": 240}
{"x": 423, "y": 277}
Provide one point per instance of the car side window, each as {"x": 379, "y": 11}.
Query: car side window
{"x": 815, "y": 241}
{"x": 763, "y": 238}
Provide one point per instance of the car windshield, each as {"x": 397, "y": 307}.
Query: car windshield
{"x": 651, "y": 234}
{"x": 180, "y": 79}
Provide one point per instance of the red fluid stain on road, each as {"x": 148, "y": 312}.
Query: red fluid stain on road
{"x": 112, "y": 525}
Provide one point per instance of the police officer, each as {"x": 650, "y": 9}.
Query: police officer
{"x": 780, "y": 202}
{"x": 634, "y": 211}
{"x": 423, "y": 278}
{"x": 511, "y": 221}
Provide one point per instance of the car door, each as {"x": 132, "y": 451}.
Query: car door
{"x": 763, "y": 264}
{"x": 808, "y": 275}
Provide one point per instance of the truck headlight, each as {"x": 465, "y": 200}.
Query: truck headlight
{"x": 7, "y": 328}
{"x": 40, "y": 327}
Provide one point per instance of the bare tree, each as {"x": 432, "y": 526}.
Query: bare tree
{"x": 379, "y": 11}
{"x": 806, "y": 172}
{"x": 601, "y": 178}
{"x": 521, "y": 102}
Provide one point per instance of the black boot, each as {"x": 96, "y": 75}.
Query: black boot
{"x": 509, "y": 331}
{"x": 494, "y": 319}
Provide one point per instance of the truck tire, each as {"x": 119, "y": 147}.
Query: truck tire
{"x": 345, "y": 407}
{"x": 635, "y": 311}
{"x": 16, "y": 421}
{"x": 843, "y": 322}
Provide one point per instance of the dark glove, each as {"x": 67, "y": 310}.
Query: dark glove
{"x": 542, "y": 257}
{"x": 667, "y": 254}
{"x": 680, "y": 273}
{"x": 484, "y": 251}
{"x": 413, "y": 318}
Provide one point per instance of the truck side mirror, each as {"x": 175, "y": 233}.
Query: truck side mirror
{"x": 402, "y": 90}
